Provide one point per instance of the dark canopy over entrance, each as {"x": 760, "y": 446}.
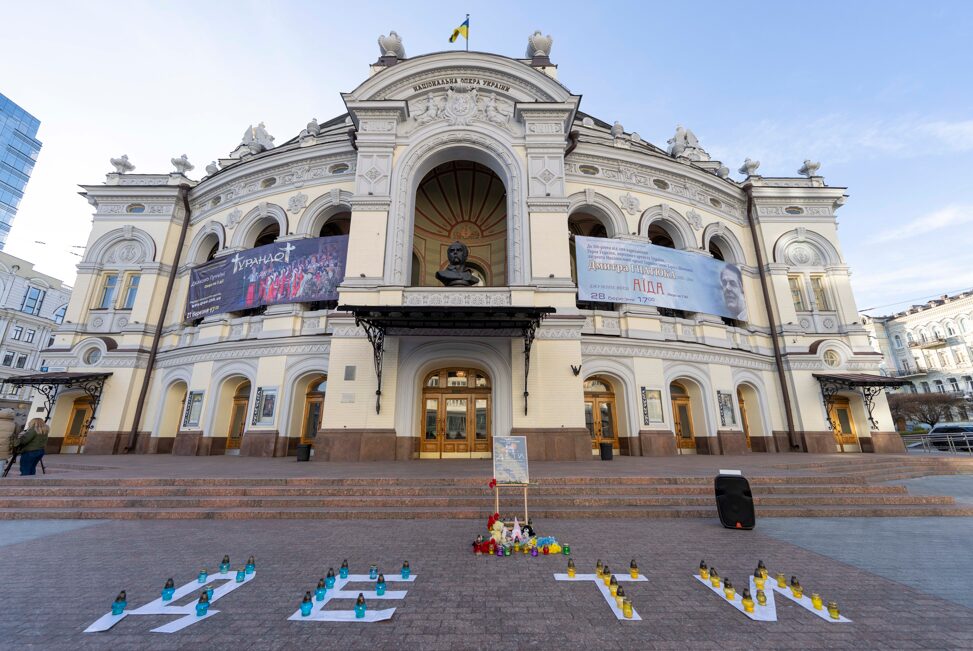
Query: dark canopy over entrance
{"x": 379, "y": 321}
{"x": 50, "y": 384}
{"x": 868, "y": 385}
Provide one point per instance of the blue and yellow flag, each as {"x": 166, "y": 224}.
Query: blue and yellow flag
{"x": 463, "y": 30}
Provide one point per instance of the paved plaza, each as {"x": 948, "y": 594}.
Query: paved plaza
{"x": 57, "y": 578}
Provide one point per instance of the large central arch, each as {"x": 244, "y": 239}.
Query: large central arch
{"x": 472, "y": 143}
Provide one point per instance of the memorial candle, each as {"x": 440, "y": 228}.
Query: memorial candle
{"x": 781, "y": 581}
{"x": 168, "y": 590}
{"x": 599, "y": 568}
{"x": 202, "y": 605}
{"x": 343, "y": 570}
{"x": 360, "y": 606}
{"x": 796, "y": 588}
{"x": 320, "y": 590}
{"x": 329, "y": 578}
{"x": 703, "y": 570}
{"x": 613, "y": 585}
{"x": 201, "y": 578}
{"x": 619, "y": 596}
{"x": 833, "y": 610}
{"x": 225, "y": 564}
{"x": 714, "y": 578}
{"x": 251, "y": 565}
{"x": 606, "y": 575}
{"x": 406, "y": 570}
{"x": 571, "y": 568}
{"x": 118, "y": 606}
{"x": 633, "y": 569}
{"x": 627, "y": 608}
{"x": 816, "y": 601}
{"x": 729, "y": 590}
{"x": 761, "y": 598}
{"x": 306, "y": 604}
{"x": 380, "y": 585}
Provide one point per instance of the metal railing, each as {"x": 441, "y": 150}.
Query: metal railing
{"x": 958, "y": 443}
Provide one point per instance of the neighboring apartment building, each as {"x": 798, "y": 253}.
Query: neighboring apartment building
{"x": 19, "y": 147}
{"x": 929, "y": 345}
{"x": 32, "y": 305}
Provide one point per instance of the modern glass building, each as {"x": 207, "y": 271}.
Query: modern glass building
{"x": 18, "y": 152}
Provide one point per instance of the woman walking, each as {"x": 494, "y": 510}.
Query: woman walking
{"x": 31, "y": 445}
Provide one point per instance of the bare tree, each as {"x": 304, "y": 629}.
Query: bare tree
{"x": 928, "y": 408}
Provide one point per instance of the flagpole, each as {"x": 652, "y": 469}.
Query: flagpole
{"x": 467, "y": 32}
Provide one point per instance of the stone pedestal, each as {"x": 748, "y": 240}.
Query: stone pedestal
{"x": 732, "y": 442}
{"x": 818, "y": 442}
{"x": 657, "y": 443}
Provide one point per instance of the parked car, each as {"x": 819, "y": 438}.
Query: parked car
{"x": 952, "y": 436}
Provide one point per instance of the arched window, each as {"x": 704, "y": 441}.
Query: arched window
{"x": 339, "y": 224}
{"x": 268, "y": 235}
{"x": 910, "y": 337}
{"x": 898, "y": 341}
{"x": 949, "y": 330}
{"x": 659, "y": 236}
{"x": 715, "y": 251}
{"x": 59, "y": 314}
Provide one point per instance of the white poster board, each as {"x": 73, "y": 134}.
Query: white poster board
{"x": 510, "y": 460}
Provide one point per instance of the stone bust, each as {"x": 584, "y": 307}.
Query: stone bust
{"x": 456, "y": 273}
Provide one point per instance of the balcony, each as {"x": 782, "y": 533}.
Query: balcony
{"x": 938, "y": 342}
{"x": 910, "y": 372}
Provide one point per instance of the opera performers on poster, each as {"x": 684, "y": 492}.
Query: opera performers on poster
{"x": 296, "y": 271}
{"x": 619, "y": 271}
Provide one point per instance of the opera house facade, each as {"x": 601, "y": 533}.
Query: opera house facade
{"x": 464, "y": 254}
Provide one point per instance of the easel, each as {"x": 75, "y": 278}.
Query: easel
{"x": 13, "y": 458}
{"x": 496, "y": 498}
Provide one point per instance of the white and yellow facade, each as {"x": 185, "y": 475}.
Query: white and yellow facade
{"x": 495, "y": 152}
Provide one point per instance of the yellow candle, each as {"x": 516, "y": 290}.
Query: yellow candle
{"x": 748, "y": 605}
{"x": 619, "y": 600}
{"x": 759, "y": 581}
{"x": 627, "y": 608}
{"x": 781, "y": 581}
{"x": 816, "y": 601}
{"x": 613, "y": 588}
{"x": 571, "y": 572}
{"x": 703, "y": 573}
{"x": 729, "y": 592}
{"x": 607, "y": 577}
{"x": 761, "y": 598}
{"x": 833, "y": 610}
{"x": 633, "y": 569}
{"x": 714, "y": 579}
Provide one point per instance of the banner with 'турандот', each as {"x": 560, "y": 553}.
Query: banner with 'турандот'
{"x": 295, "y": 271}
{"x": 621, "y": 271}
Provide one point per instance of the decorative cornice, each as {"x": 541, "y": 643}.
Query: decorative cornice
{"x": 674, "y": 352}
{"x": 248, "y": 349}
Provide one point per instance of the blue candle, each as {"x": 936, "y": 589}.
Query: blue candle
{"x": 241, "y": 575}
{"x": 225, "y": 564}
{"x": 360, "y": 606}
{"x": 406, "y": 570}
{"x": 202, "y": 576}
{"x": 373, "y": 572}
{"x": 343, "y": 570}
{"x": 329, "y": 581}
{"x": 251, "y": 565}
{"x": 380, "y": 585}
{"x": 320, "y": 591}
{"x": 202, "y": 605}
{"x": 118, "y": 606}
{"x": 168, "y": 590}
{"x": 306, "y": 604}
{"x": 209, "y": 593}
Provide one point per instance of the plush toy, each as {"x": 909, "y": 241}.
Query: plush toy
{"x": 497, "y": 531}
{"x": 528, "y": 529}
{"x": 517, "y": 535}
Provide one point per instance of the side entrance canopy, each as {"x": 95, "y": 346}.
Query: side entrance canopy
{"x": 868, "y": 385}
{"x": 380, "y": 321}
{"x": 50, "y": 384}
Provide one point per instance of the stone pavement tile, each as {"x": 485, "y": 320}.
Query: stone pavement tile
{"x": 459, "y": 601}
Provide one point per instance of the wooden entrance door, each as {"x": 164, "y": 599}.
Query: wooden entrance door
{"x": 238, "y": 416}
{"x": 81, "y": 412}
{"x": 841, "y": 420}
{"x": 455, "y": 414}
{"x": 743, "y": 416}
{"x": 682, "y": 421}
{"x": 599, "y": 412}
{"x": 313, "y": 408}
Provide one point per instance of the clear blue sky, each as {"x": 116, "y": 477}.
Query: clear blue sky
{"x": 879, "y": 92}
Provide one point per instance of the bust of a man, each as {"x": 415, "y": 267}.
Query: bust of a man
{"x": 456, "y": 273}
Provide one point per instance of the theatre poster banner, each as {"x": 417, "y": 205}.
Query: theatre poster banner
{"x": 621, "y": 271}
{"x": 295, "y": 271}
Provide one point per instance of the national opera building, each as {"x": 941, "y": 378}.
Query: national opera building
{"x": 465, "y": 253}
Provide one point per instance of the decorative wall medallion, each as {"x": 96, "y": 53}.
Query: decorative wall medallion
{"x": 234, "y": 217}
{"x": 297, "y": 203}
{"x": 629, "y": 203}
{"x": 694, "y": 219}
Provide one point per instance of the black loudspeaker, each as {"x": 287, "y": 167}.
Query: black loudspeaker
{"x": 734, "y": 502}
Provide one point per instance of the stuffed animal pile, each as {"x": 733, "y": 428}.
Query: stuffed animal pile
{"x": 503, "y": 541}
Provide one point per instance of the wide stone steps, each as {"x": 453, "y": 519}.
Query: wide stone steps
{"x": 420, "y": 491}
{"x": 635, "y": 512}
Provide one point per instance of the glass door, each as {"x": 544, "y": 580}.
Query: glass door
{"x": 456, "y": 424}
{"x": 682, "y": 416}
{"x": 78, "y": 425}
{"x": 238, "y": 419}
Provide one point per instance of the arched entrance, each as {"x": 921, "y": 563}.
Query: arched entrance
{"x": 313, "y": 408}
{"x": 464, "y": 201}
{"x": 600, "y": 415}
{"x": 682, "y": 418}
{"x": 843, "y": 422}
{"x": 239, "y": 409}
{"x": 81, "y": 411}
{"x": 174, "y": 411}
{"x": 455, "y": 414}
{"x": 751, "y": 418}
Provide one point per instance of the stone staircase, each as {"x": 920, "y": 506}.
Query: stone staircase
{"x": 835, "y": 490}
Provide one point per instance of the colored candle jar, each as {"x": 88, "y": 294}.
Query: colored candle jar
{"x": 373, "y": 571}
{"x": 633, "y": 569}
{"x": 566, "y": 550}
{"x": 833, "y": 611}
{"x": 343, "y": 570}
{"x": 500, "y": 550}
{"x": 533, "y": 551}
{"x": 759, "y": 581}
{"x": 118, "y": 606}
{"x": 507, "y": 551}
{"x": 781, "y": 581}
{"x": 816, "y": 601}
{"x": 761, "y": 597}
{"x": 201, "y": 578}
{"x": 329, "y": 579}
{"x": 380, "y": 585}
{"x": 729, "y": 590}
{"x": 762, "y": 569}
{"x": 627, "y": 608}
{"x": 516, "y": 545}
{"x": 406, "y": 570}
{"x": 796, "y": 588}
{"x": 241, "y": 576}
{"x": 251, "y": 565}
{"x": 168, "y": 590}
{"x": 202, "y": 605}
{"x": 209, "y": 593}
{"x": 225, "y": 564}
{"x": 599, "y": 568}
{"x": 703, "y": 570}
{"x": 619, "y": 596}
{"x": 320, "y": 590}
{"x": 606, "y": 575}
{"x": 360, "y": 606}
{"x": 572, "y": 570}
{"x": 306, "y": 604}
{"x": 747, "y": 600}
{"x": 613, "y": 585}
{"x": 714, "y": 578}
{"x": 547, "y": 550}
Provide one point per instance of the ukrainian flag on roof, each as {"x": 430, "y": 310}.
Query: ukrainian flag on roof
{"x": 463, "y": 30}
